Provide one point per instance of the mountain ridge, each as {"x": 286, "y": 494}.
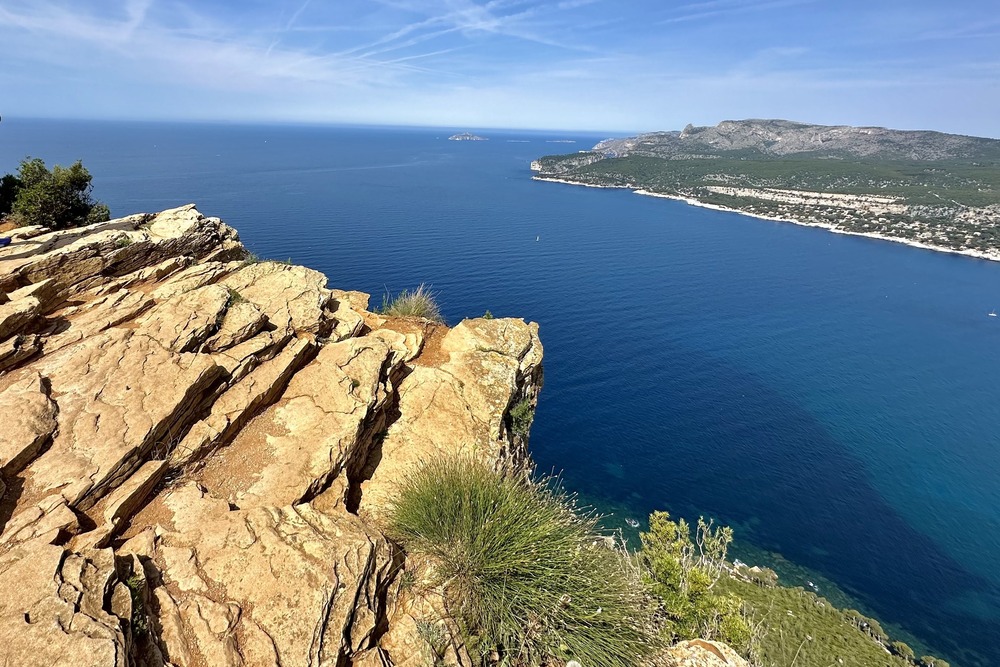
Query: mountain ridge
{"x": 785, "y": 137}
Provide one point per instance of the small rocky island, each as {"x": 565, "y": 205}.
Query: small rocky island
{"x": 928, "y": 189}
{"x": 466, "y": 136}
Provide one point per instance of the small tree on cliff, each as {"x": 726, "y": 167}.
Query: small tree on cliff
{"x": 682, "y": 574}
{"x": 57, "y": 199}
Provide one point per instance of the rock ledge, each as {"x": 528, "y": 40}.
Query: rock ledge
{"x": 197, "y": 450}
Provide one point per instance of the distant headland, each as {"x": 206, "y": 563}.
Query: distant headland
{"x": 927, "y": 189}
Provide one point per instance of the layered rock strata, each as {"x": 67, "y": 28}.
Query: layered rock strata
{"x": 197, "y": 450}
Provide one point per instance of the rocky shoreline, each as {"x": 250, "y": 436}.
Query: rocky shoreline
{"x": 977, "y": 254}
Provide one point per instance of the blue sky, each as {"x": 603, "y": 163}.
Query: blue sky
{"x": 603, "y": 65}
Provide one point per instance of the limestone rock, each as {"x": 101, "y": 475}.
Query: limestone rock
{"x": 699, "y": 653}
{"x": 197, "y": 450}
{"x": 323, "y": 427}
{"x": 461, "y": 405}
{"x": 299, "y": 587}
{"x": 48, "y": 521}
{"x": 52, "y": 609}
{"x": 241, "y": 322}
{"x": 15, "y": 350}
{"x": 29, "y": 421}
{"x": 120, "y": 396}
{"x": 292, "y": 297}
{"x": 238, "y": 403}
{"x": 183, "y": 323}
{"x": 17, "y": 314}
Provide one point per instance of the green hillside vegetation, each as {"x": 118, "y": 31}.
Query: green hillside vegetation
{"x": 920, "y": 183}
{"x": 702, "y": 595}
{"x": 797, "y": 627}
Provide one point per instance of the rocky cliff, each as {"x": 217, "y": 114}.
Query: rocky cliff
{"x": 786, "y": 138}
{"x": 197, "y": 450}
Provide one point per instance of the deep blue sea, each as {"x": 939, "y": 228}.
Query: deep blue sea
{"x": 836, "y": 399}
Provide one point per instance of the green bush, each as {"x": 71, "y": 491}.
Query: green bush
{"x": 931, "y": 661}
{"x": 903, "y": 650}
{"x": 683, "y": 573}
{"x": 522, "y": 571}
{"x": 521, "y": 417}
{"x": 418, "y": 303}
{"x": 57, "y": 199}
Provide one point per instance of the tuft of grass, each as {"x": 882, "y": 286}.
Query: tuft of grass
{"x": 124, "y": 241}
{"x": 487, "y": 315}
{"x": 523, "y": 572}
{"x": 235, "y": 297}
{"x": 417, "y": 303}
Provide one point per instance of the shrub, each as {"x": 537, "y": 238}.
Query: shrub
{"x": 903, "y": 650}
{"x": 521, "y": 416}
{"x": 57, "y": 199}
{"x": 522, "y": 571}
{"x": 931, "y": 661}
{"x": 418, "y": 303}
{"x": 682, "y": 574}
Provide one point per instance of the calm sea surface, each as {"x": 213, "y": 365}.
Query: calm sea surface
{"x": 834, "y": 398}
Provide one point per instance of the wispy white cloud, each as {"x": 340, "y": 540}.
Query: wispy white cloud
{"x": 721, "y": 8}
{"x": 641, "y": 64}
{"x": 198, "y": 49}
{"x": 295, "y": 15}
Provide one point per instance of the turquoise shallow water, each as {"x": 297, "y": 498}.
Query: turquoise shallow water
{"x": 836, "y": 398}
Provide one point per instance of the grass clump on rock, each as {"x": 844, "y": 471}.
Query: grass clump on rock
{"x": 417, "y": 303}
{"x": 525, "y": 574}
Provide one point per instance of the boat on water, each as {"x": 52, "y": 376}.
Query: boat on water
{"x": 632, "y": 522}
{"x": 992, "y": 313}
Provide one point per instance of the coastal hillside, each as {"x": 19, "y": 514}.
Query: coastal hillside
{"x": 925, "y": 188}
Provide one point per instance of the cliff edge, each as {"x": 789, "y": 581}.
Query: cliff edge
{"x": 197, "y": 450}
